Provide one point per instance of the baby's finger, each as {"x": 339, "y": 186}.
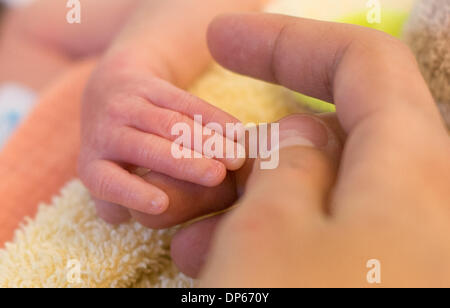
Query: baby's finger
{"x": 110, "y": 182}
{"x": 172, "y": 125}
{"x": 170, "y": 97}
{"x": 155, "y": 153}
{"x": 187, "y": 201}
{"x": 112, "y": 213}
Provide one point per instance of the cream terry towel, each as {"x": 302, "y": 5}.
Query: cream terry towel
{"x": 428, "y": 35}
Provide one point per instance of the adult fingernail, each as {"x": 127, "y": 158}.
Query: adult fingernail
{"x": 303, "y": 130}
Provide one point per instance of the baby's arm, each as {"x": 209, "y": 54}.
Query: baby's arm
{"x": 175, "y": 32}
{"x": 37, "y": 43}
{"x": 133, "y": 101}
{"x": 101, "y": 20}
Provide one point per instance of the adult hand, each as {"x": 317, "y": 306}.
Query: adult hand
{"x": 318, "y": 218}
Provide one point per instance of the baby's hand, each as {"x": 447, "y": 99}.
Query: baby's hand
{"x": 127, "y": 120}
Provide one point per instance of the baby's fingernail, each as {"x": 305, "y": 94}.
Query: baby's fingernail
{"x": 234, "y": 164}
{"x": 302, "y": 130}
{"x": 238, "y": 160}
{"x": 159, "y": 205}
{"x": 214, "y": 175}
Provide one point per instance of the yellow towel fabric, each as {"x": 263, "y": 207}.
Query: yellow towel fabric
{"x": 67, "y": 231}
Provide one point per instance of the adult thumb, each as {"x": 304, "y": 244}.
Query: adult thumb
{"x": 310, "y": 148}
{"x": 309, "y": 153}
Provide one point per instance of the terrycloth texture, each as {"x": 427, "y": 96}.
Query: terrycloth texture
{"x": 125, "y": 256}
{"x": 428, "y": 34}
{"x": 41, "y": 156}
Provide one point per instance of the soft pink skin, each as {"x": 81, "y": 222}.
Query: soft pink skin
{"x": 37, "y": 44}
{"x": 333, "y": 209}
{"x": 134, "y": 98}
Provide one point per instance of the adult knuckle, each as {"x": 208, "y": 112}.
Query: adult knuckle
{"x": 384, "y": 44}
{"x": 259, "y": 207}
{"x": 245, "y": 225}
{"x": 279, "y": 45}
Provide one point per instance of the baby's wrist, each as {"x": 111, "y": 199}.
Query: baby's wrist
{"x": 126, "y": 58}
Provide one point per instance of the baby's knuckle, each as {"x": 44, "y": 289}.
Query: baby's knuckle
{"x": 112, "y": 143}
{"x": 170, "y": 121}
{"x": 89, "y": 176}
{"x": 185, "y": 100}
{"x": 128, "y": 195}
{"x": 146, "y": 153}
{"x": 141, "y": 117}
{"x": 116, "y": 111}
{"x": 102, "y": 185}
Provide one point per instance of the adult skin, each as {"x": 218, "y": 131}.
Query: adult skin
{"x": 319, "y": 217}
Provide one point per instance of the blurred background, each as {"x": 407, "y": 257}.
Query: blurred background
{"x": 37, "y": 44}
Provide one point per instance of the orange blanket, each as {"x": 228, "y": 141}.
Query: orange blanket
{"x": 41, "y": 156}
